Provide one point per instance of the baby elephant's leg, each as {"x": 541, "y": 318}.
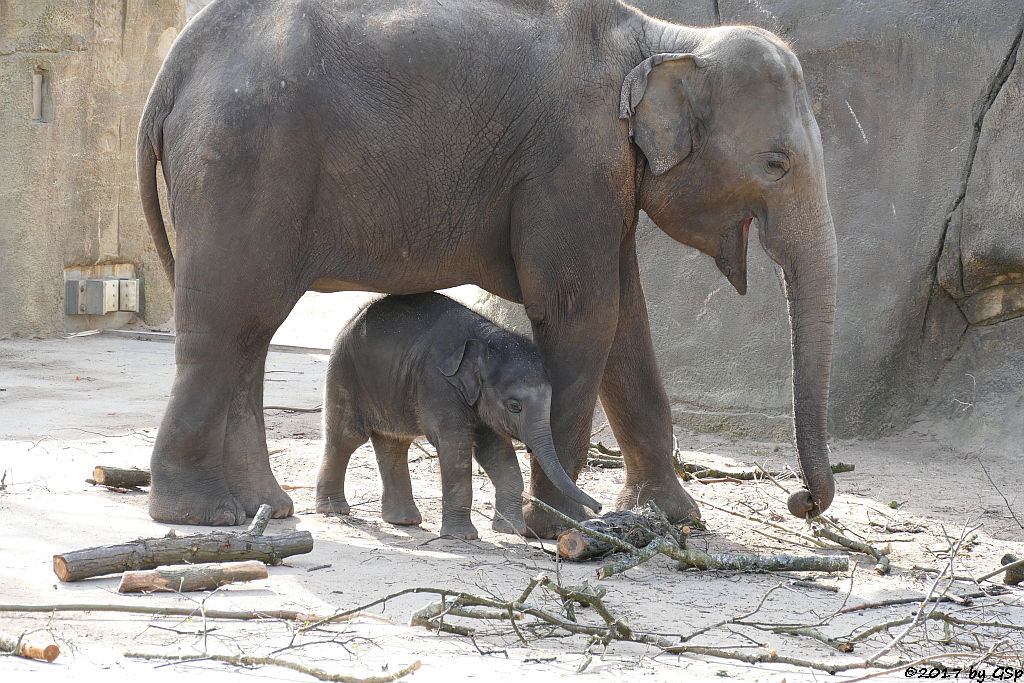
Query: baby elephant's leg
{"x": 340, "y": 441}
{"x": 397, "y": 505}
{"x": 498, "y": 458}
{"x": 456, "y": 461}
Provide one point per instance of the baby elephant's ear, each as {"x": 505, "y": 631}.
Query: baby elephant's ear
{"x": 463, "y": 368}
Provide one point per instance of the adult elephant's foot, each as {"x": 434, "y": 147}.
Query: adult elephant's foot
{"x": 247, "y": 466}
{"x": 193, "y": 497}
{"x": 331, "y": 504}
{"x": 669, "y": 496}
{"x": 253, "y": 492}
{"x": 270, "y": 494}
{"x": 508, "y": 517}
{"x": 461, "y": 529}
{"x": 403, "y": 513}
{"x": 542, "y": 524}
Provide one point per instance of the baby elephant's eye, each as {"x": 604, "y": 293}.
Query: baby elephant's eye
{"x": 513, "y": 406}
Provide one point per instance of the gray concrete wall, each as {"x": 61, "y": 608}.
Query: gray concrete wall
{"x": 68, "y": 194}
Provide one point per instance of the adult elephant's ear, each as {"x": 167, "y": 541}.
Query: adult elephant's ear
{"x": 658, "y": 99}
{"x": 463, "y": 367}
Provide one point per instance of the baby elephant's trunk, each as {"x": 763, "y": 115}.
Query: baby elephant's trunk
{"x": 543, "y": 448}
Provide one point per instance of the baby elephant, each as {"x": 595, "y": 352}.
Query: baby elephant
{"x": 425, "y": 365}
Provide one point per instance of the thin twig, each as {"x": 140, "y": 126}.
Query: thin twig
{"x": 761, "y": 520}
{"x": 290, "y": 409}
{"x": 1006, "y": 567}
{"x": 1006, "y": 502}
{"x": 247, "y": 660}
{"x": 278, "y": 615}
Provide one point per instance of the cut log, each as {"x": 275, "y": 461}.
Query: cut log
{"x": 20, "y": 648}
{"x": 636, "y": 527}
{"x": 149, "y": 553}
{"x": 120, "y": 478}
{"x": 191, "y": 577}
{"x": 1014, "y": 569}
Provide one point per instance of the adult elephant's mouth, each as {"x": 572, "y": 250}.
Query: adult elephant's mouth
{"x": 732, "y": 257}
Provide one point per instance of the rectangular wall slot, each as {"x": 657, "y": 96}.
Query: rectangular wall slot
{"x": 42, "y": 105}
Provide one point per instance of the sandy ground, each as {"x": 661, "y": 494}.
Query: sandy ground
{"x": 68, "y": 405}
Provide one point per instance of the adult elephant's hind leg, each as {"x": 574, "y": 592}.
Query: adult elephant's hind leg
{"x": 247, "y": 463}
{"x": 189, "y": 479}
{"x": 210, "y": 463}
{"x": 634, "y": 399}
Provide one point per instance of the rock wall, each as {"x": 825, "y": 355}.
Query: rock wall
{"x": 921, "y": 109}
{"x": 68, "y": 194}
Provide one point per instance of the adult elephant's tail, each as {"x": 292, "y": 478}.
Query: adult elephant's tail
{"x": 147, "y": 152}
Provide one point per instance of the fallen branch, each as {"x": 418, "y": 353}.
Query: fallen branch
{"x": 882, "y": 565}
{"x": 935, "y": 616}
{"x": 149, "y": 553}
{"x": 922, "y": 613}
{"x": 637, "y": 527}
{"x": 670, "y": 546}
{"x": 892, "y": 602}
{"x": 260, "y": 520}
{"x": 271, "y": 614}
{"x": 191, "y": 577}
{"x": 119, "y": 478}
{"x": 689, "y": 470}
{"x": 247, "y": 660}
{"x": 600, "y": 455}
{"x": 19, "y": 648}
{"x": 467, "y": 606}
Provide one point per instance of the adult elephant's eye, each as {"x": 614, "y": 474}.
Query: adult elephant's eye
{"x": 775, "y": 165}
{"x": 513, "y": 406}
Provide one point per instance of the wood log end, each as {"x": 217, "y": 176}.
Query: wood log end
{"x": 99, "y": 475}
{"x": 571, "y": 544}
{"x": 43, "y": 653}
{"x": 1013, "y": 576}
{"x": 60, "y": 568}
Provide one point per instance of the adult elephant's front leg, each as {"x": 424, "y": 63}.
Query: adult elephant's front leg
{"x": 574, "y": 351}
{"x": 634, "y": 399}
{"x": 573, "y": 315}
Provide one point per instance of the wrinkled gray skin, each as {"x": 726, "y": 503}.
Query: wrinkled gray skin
{"x": 426, "y": 365}
{"x": 404, "y": 146}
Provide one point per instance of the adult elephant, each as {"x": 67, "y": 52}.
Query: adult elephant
{"x": 404, "y": 146}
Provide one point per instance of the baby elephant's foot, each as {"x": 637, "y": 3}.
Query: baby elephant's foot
{"x": 464, "y": 530}
{"x": 332, "y": 504}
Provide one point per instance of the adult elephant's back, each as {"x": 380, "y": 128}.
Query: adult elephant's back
{"x": 359, "y": 120}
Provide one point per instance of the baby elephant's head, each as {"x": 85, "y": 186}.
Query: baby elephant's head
{"x": 505, "y": 380}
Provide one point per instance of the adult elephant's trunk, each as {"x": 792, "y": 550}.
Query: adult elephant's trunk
{"x": 537, "y": 437}
{"x": 802, "y": 240}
